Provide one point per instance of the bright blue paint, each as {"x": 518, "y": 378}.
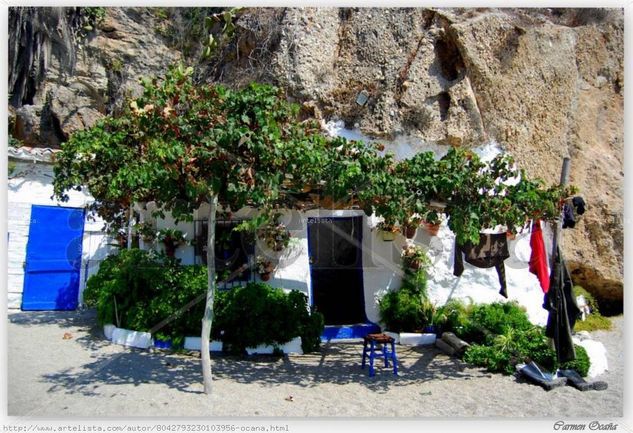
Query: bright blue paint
{"x": 351, "y": 331}
{"x": 53, "y": 258}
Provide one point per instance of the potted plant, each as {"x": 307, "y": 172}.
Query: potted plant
{"x": 387, "y": 230}
{"x": 432, "y": 317}
{"x": 146, "y": 231}
{"x": 265, "y": 268}
{"x": 432, "y": 223}
{"x": 410, "y": 226}
{"x": 171, "y": 238}
{"x": 275, "y": 235}
{"x": 414, "y": 257}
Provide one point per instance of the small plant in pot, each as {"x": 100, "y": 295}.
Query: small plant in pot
{"x": 433, "y": 317}
{"x": 432, "y": 223}
{"x": 275, "y": 235}
{"x": 171, "y": 238}
{"x": 414, "y": 258}
{"x": 265, "y": 268}
{"x": 410, "y": 226}
{"x": 146, "y": 231}
{"x": 387, "y": 230}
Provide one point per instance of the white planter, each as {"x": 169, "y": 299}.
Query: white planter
{"x": 195, "y": 343}
{"x": 262, "y": 349}
{"x": 125, "y": 337}
{"x": 416, "y": 339}
{"x": 293, "y": 346}
{"x": 108, "y": 330}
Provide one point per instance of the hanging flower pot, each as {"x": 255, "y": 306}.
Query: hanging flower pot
{"x": 171, "y": 239}
{"x": 388, "y": 236}
{"x": 387, "y": 231}
{"x": 170, "y": 247}
{"x": 409, "y": 231}
{"x": 265, "y": 268}
{"x": 432, "y": 228}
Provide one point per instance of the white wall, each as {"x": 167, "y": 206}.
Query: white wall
{"x": 31, "y": 183}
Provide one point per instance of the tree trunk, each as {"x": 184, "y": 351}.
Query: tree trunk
{"x": 129, "y": 227}
{"x": 207, "y": 320}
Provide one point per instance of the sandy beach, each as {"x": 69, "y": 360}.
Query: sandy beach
{"x": 86, "y": 375}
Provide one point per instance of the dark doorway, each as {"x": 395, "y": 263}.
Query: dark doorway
{"x": 336, "y": 269}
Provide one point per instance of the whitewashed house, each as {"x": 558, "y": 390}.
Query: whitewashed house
{"x": 336, "y": 257}
{"x": 53, "y": 247}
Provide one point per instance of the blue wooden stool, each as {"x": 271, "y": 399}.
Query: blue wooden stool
{"x": 370, "y": 346}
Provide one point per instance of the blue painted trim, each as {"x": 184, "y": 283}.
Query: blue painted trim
{"x": 351, "y": 331}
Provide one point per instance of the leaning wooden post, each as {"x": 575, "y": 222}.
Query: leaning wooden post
{"x": 564, "y": 179}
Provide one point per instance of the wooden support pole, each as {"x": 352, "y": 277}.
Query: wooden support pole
{"x": 564, "y": 179}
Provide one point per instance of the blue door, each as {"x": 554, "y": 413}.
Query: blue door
{"x": 53, "y": 258}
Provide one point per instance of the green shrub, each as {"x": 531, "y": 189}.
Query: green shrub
{"x": 402, "y": 311}
{"x": 139, "y": 290}
{"x": 494, "y": 319}
{"x": 500, "y": 353}
{"x": 453, "y": 316}
{"x": 260, "y": 314}
{"x": 581, "y": 364}
{"x": 593, "y": 322}
{"x": 406, "y": 309}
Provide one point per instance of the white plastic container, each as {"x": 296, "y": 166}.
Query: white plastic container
{"x": 195, "y": 343}
{"x": 125, "y": 337}
{"x": 108, "y": 330}
{"x": 417, "y": 339}
{"x": 293, "y": 346}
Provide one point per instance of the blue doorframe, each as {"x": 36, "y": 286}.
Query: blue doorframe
{"x": 53, "y": 258}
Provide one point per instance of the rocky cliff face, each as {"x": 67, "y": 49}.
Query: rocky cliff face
{"x": 542, "y": 83}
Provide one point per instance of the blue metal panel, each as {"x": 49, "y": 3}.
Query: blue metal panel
{"x": 53, "y": 258}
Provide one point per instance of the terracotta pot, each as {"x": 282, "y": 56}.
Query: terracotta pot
{"x": 266, "y": 276}
{"x": 409, "y": 231}
{"x": 415, "y": 264}
{"x": 170, "y": 247}
{"x": 432, "y": 229}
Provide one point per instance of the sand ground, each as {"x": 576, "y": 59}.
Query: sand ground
{"x": 88, "y": 376}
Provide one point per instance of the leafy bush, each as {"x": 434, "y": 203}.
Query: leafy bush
{"x": 406, "y": 309}
{"x": 505, "y": 337}
{"x": 260, "y": 314}
{"x": 581, "y": 364}
{"x": 500, "y": 353}
{"x": 453, "y": 316}
{"x": 139, "y": 290}
{"x": 494, "y": 319}
{"x": 402, "y": 310}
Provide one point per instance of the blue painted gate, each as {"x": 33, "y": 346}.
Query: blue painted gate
{"x": 53, "y": 258}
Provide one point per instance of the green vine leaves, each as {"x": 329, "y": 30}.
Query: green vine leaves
{"x": 181, "y": 142}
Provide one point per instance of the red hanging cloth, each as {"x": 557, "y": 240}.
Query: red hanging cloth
{"x": 538, "y": 258}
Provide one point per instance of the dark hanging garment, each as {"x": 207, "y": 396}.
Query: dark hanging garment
{"x": 579, "y": 204}
{"x": 569, "y": 220}
{"x": 491, "y": 251}
{"x": 563, "y": 310}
